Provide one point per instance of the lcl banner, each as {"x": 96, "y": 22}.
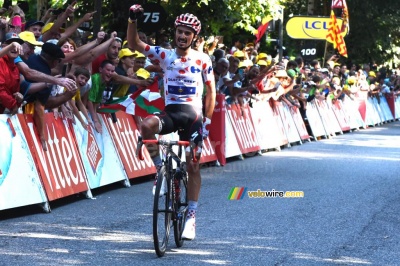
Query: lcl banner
{"x": 60, "y": 167}
{"x": 20, "y": 183}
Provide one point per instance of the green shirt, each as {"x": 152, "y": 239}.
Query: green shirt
{"x": 97, "y": 89}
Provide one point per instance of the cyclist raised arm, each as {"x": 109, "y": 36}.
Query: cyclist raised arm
{"x": 186, "y": 71}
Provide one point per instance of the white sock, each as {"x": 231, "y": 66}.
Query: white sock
{"x": 192, "y": 208}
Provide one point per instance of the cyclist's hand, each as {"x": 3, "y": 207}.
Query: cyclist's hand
{"x": 135, "y": 12}
{"x": 206, "y": 127}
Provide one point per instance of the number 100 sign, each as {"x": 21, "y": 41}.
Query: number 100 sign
{"x": 153, "y": 19}
{"x": 308, "y": 51}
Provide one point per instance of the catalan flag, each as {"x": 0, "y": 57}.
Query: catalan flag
{"x": 237, "y": 193}
{"x": 335, "y": 36}
{"x": 345, "y": 17}
{"x": 262, "y": 28}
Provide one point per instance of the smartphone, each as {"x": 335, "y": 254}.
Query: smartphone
{"x": 241, "y": 73}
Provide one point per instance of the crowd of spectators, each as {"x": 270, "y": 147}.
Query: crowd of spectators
{"x": 51, "y": 65}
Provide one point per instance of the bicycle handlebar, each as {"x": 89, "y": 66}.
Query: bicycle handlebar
{"x": 142, "y": 141}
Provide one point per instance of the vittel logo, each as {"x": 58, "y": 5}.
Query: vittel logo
{"x": 244, "y": 129}
{"x": 60, "y": 163}
{"x": 126, "y": 141}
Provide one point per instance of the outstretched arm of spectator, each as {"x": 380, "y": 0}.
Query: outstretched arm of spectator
{"x": 95, "y": 52}
{"x": 76, "y": 112}
{"x": 59, "y": 22}
{"x": 39, "y": 122}
{"x": 48, "y": 15}
{"x": 131, "y": 81}
{"x": 92, "y": 107}
{"x": 59, "y": 99}
{"x": 35, "y": 75}
{"x": 134, "y": 43}
{"x": 84, "y": 49}
{"x": 71, "y": 29}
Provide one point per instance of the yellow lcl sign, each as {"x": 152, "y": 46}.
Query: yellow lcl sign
{"x": 314, "y": 28}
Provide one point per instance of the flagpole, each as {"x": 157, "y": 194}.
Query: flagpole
{"x": 326, "y": 48}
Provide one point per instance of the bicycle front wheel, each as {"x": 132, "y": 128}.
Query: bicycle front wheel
{"x": 181, "y": 209}
{"x": 162, "y": 213}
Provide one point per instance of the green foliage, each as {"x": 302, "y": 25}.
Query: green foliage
{"x": 374, "y": 32}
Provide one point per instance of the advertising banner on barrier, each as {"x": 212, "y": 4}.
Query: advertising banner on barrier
{"x": 288, "y": 123}
{"x": 397, "y": 108}
{"x": 125, "y": 135}
{"x": 385, "y": 109}
{"x": 20, "y": 183}
{"x": 243, "y": 128}
{"x": 208, "y": 152}
{"x": 278, "y": 121}
{"x": 341, "y": 116}
{"x": 299, "y": 122}
{"x": 231, "y": 143}
{"x": 390, "y": 98}
{"x": 314, "y": 120}
{"x": 372, "y": 117}
{"x": 217, "y": 128}
{"x": 328, "y": 118}
{"x": 99, "y": 155}
{"x": 60, "y": 167}
{"x": 268, "y": 134}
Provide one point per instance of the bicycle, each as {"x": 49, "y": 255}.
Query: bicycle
{"x": 170, "y": 198}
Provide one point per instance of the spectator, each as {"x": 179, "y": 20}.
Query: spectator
{"x": 31, "y": 74}
{"x": 10, "y": 97}
{"x": 35, "y": 26}
{"x": 221, "y": 74}
{"x": 101, "y": 90}
{"x": 82, "y": 76}
{"x": 50, "y": 56}
{"x": 125, "y": 68}
{"x": 111, "y": 54}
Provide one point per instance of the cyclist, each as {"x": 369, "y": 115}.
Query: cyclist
{"x": 186, "y": 71}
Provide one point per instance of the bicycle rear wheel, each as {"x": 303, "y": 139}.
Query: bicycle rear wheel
{"x": 181, "y": 209}
{"x": 162, "y": 213}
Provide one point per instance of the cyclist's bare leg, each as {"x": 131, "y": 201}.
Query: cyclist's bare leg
{"x": 148, "y": 128}
{"x": 194, "y": 182}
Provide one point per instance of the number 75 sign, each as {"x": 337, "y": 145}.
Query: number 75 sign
{"x": 153, "y": 19}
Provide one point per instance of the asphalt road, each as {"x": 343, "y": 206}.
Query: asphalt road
{"x": 349, "y": 214}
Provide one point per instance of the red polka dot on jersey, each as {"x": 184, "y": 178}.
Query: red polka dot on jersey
{"x": 147, "y": 48}
{"x": 204, "y": 66}
{"x": 183, "y": 59}
{"x": 198, "y": 62}
{"x": 173, "y": 99}
{"x": 182, "y": 71}
{"x": 156, "y": 61}
{"x": 150, "y": 56}
{"x": 162, "y": 55}
{"x": 189, "y": 99}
